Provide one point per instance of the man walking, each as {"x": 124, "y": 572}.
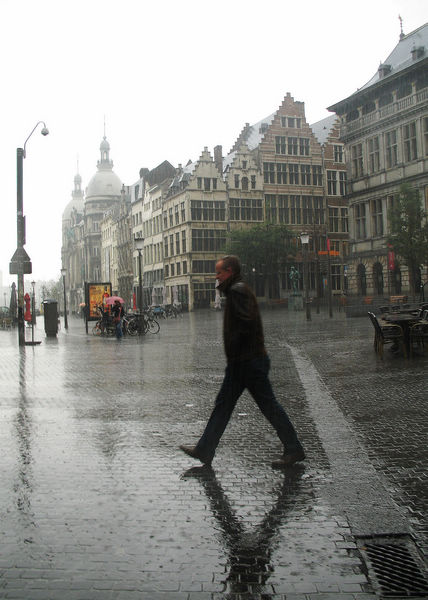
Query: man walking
{"x": 247, "y": 367}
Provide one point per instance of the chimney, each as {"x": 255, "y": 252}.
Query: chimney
{"x": 218, "y": 158}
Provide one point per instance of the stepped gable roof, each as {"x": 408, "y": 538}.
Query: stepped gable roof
{"x": 321, "y": 129}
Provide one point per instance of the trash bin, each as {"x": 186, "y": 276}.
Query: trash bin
{"x": 50, "y": 311}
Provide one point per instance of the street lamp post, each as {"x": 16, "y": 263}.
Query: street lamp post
{"x": 304, "y": 238}
{"x": 63, "y": 273}
{"x": 139, "y": 245}
{"x": 20, "y": 263}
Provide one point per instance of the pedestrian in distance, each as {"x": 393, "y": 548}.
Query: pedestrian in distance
{"x": 247, "y": 368}
{"x": 118, "y": 312}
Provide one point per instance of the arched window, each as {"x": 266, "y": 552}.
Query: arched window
{"x": 244, "y": 183}
{"x": 378, "y": 278}
{"x": 361, "y": 280}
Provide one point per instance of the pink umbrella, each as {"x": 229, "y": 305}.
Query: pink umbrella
{"x": 112, "y": 300}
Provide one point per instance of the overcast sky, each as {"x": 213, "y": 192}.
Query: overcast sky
{"x": 169, "y": 77}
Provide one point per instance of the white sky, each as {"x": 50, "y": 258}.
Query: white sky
{"x": 170, "y": 77}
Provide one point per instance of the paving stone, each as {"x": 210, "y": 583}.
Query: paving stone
{"x": 96, "y": 500}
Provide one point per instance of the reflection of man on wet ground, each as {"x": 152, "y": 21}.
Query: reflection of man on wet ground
{"x": 247, "y": 367}
{"x": 249, "y": 551}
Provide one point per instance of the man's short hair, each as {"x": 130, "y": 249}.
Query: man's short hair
{"x": 231, "y": 262}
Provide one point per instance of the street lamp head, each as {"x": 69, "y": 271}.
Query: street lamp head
{"x": 304, "y": 238}
{"x": 138, "y": 243}
{"x": 63, "y": 271}
{"x": 45, "y": 131}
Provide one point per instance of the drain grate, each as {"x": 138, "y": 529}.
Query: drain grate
{"x": 394, "y": 563}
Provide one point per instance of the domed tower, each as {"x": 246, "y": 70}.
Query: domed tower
{"x": 102, "y": 193}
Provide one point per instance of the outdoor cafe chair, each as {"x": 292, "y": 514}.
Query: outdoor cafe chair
{"x": 418, "y": 334}
{"x": 383, "y": 309}
{"x": 386, "y": 334}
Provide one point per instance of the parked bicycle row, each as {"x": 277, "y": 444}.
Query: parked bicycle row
{"x": 134, "y": 323}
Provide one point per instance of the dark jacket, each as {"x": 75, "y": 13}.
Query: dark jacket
{"x": 242, "y": 325}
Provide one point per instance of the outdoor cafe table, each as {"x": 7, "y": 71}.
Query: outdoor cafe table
{"x": 405, "y": 320}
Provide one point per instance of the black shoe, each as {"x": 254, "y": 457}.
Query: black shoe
{"x": 287, "y": 460}
{"x": 191, "y": 451}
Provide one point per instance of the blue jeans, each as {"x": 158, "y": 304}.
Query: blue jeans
{"x": 253, "y": 375}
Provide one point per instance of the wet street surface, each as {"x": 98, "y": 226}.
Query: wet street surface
{"x": 98, "y": 502}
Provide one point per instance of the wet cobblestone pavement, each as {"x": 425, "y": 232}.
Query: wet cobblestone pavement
{"x": 97, "y": 502}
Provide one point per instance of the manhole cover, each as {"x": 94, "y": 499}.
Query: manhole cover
{"x": 395, "y": 565}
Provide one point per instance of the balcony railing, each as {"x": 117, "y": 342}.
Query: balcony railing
{"x": 384, "y": 112}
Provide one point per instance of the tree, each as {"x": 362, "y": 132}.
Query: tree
{"x": 409, "y": 231}
{"x": 263, "y": 249}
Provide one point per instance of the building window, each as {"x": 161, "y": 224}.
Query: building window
{"x": 177, "y": 242}
{"x": 295, "y": 210}
{"x": 236, "y": 181}
{"x": 280, "y": 144}
{"x": 184, "y": 267}
{"x": 344, "y": 219}
{"x": 166, "y": 270}
{"x": 304, "y": 146}
{"x": 253, "y": 180}
{"x": 172, "y": 270}
{"x": 360, "y": 222}
{"x": 342, "y": 183}
{"x": 244, "y": 183}
{"x": 269, "y": 172}
{"x": 332, "y": 183}
{"x": 391, "y": 149}
{"x": 246, "y": 209}
{"x": 165, "y": 246}
{"x": 357, "y": 160}
{"x": 338, "y": 153}
{"x": 281, "y": 173}
{"x": 305, "y": 173}
{"x": 283, "y": 209}
{"x": 374, "y": 162}
{"x": 178, "y": 269}
{"x": 425, "y": 122}
{"x": 208, "y": 210}
{"x": 333, "y": 219}
{"x": 409, "y": 140}
{"x": 307, "y": 210}
{"x": 294, "y": 174}
{"x": 176, "y": 214}
{"x": 207, "y": 184}
{"x": 183, "y": 241}
{"x": 271, "y": 208}
{"x": 318, "y": 211}
{"x": 208, "y": 240}
{"x": 377, "y": 217}
{"x": 171, "y": 245}
{"x": 199, "y": 183}
{"x": 203, "y": 266}
{"x": 316, "y": 175}
{"x": 335, "y": 277}
{"x": 171, "y": 222}
{"x": 183, "y": 212}
{"x": 244, "y": 164}
{"x": 165, "y": 220}
{"x": 292, "y": 146}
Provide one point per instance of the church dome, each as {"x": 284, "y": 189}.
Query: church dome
{"x": 105, "y": 182}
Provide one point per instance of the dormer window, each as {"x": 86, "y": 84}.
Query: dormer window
{"x": 384, "y": 70}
